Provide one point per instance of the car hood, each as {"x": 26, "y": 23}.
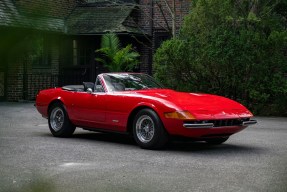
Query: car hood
{"x": 203, "y": 106}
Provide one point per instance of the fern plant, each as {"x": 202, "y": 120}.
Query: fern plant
{"x": 114, "y": 57}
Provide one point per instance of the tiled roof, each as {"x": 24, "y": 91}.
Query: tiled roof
{"x": 108, "y": 2}
{"x": 10, "y": 16}
{"x": 8, "y": 13}
{"x": 46, "y": 8}
{"x": 95, "y": 20}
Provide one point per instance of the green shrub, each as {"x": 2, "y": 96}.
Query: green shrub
{"x": 230, "y": 50}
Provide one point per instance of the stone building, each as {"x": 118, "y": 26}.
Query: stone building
{"x": 45, "y": 44}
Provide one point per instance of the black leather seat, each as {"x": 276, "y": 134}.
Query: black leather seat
{"x": 88, "y": 85}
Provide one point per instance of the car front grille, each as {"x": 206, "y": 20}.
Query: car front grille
{"x": 221, "y": 122}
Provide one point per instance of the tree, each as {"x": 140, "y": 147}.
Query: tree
{"x": 116, "y": 59}
{"x": 234, "y": 48}
{"x": 171, "y": 11}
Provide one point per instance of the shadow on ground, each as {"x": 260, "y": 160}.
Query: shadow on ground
{"x": 174, "y": 145}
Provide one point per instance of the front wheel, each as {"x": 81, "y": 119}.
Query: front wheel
{"x": 148, "y": 130}
{"x": 217, "y": 141}
{"x": 59, "y": 122}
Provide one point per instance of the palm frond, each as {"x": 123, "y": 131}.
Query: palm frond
{"x": 115, "y": 58}
{"x": 110, "y": 41}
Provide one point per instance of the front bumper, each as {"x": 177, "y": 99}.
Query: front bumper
{"x": 208, "y": 125}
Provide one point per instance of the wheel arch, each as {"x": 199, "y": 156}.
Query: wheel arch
{"x": 55, "y": 101}
{"x": 67, "y": 128}
{"x": 134, "y": 113}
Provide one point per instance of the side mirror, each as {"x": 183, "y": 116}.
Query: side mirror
{"x": 89, "y": 90}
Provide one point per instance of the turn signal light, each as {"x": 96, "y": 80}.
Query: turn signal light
{"x": 183, "y": 115}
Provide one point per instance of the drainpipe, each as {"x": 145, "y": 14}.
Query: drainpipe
{"x": 152, "y": 37}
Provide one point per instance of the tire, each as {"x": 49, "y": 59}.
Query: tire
{"x": 59, "y": 122}
{"x": 148, "y": 130}
{"x": 217, "y": 141}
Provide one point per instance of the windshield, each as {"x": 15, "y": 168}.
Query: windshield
{"x": 129, "y": 82}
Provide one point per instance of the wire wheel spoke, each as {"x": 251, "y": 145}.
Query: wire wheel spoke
{"x": 145, "y": 128}
{"x": 57, "y": 119}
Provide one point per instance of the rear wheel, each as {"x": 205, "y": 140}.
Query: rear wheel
{"x": 217, "y": 141}
{"x": 59, "y": 122}
{"x": 148, "y": 130}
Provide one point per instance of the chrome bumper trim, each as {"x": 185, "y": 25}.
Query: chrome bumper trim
{"x": 211, "y": 125}
{"x": 250, "y": 122}
{"x": 199, "y": 126}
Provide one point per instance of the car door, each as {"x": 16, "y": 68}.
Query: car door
{"x": 89, "y": 108}
{"x": 119, "y": 107}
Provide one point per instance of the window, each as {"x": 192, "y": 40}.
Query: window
{"x": 75, "y": 52}
{"x": 130, "y": 82}
{"x": 40, "y": 54}
{"x": 81, "y": 54}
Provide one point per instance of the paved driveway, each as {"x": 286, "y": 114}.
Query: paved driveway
{"x": 31, "y": 159}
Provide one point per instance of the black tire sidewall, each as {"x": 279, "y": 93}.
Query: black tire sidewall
{"x": 160, "y": 137}
{"x": 67, "y": 129}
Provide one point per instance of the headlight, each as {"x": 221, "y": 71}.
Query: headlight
{"x": 183, "y": 115}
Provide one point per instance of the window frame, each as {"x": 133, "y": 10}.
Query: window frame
{"x": 42, "y": 61}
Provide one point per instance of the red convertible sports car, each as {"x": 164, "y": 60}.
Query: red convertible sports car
{"x": 135, "y": 103}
